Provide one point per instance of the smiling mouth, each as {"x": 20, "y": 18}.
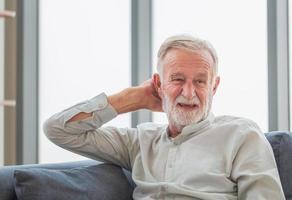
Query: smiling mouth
{"x": 187, "y": 106}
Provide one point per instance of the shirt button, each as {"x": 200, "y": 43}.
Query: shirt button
{"x": 164, "y": 188}
{"x": 101, "y": 106}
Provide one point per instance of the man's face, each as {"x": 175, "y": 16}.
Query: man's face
{"x": 187, "y": 86}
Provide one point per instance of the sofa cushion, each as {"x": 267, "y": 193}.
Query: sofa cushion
{"x": 7, "y": 174}
{"x": 281, "y": 143}
{"x": 104, "y": 181}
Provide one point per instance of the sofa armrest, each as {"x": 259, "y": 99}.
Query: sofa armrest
{"x": 281, "y": 143}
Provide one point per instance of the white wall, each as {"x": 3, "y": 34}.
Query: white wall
{"x": 1, "y": 85}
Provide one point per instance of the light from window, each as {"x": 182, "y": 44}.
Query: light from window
{"x": 84, "y": 50}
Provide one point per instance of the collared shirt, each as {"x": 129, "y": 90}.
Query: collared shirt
{"x": 220, "y": 158}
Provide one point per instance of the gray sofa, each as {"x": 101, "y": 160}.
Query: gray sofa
{"x": 94, "y": 180}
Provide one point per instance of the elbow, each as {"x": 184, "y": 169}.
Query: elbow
{"x": 50, "y": 128}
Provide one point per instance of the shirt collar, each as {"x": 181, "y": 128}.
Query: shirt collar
{"x": 193, "y": 129}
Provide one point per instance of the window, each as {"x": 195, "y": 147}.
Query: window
{"x": 81, "y": 44}
{"x": 238, "y": 31}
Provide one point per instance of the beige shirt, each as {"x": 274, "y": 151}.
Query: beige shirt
{"x": 220, "y": 158}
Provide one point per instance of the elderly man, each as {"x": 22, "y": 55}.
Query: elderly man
{"x": 196, "y": 155}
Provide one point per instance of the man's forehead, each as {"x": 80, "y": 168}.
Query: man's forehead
{"x": 188, "y": 58}
{"x": 182, "y": 55}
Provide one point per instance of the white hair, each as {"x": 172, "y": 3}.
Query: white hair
{"x": 186, "y": 42}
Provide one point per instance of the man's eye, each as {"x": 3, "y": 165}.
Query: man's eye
{"x": 200, "y": 82}
{"x": 177, "y": 79}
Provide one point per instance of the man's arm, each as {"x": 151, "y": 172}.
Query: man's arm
{"x": 130, "y": 99}
{"x": 79, "y": 130}
{"x": 254, "y": 168}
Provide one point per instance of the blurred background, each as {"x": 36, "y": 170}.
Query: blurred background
{"x": 55, "y": 53}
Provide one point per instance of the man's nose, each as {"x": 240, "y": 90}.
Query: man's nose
{"x": 188, "y": 90}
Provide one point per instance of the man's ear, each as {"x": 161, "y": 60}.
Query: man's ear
{"x": 216, "y": 84}
{"x": 157, "y": 84}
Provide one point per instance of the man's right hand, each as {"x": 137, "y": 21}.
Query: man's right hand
{"x": 151, "y": 99}
{"x": 131, "y": 99}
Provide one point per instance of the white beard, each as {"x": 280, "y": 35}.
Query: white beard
{"x": 181, "y": 118}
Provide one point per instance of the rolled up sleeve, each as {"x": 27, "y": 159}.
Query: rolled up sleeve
{"x": 87, "y": 137}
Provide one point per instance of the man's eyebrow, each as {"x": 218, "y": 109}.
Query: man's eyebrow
{"x": 202, "y": 75}
{"x": 175, "y": 75}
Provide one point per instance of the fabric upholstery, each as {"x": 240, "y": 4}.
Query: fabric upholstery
{"x": 7, "y": 173}
{"x": 281, "y": 143}
{"x": 104, "y": 182}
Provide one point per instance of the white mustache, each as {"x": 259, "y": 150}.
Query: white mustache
{"x": 183, "y": 100}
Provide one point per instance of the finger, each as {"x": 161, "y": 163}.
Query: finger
{"x": 155, "y": 94}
